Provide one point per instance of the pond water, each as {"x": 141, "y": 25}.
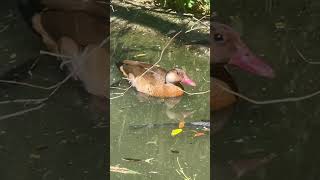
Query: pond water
{"x": 66, "y": 138}
{"x": 62, "y": 140}
{"x": 288, "y": 131}
{"x": 141, "y": 126}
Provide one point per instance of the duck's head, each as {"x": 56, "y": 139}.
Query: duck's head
{"x": 178, "y": 75}
{"x": 229, "y": 48}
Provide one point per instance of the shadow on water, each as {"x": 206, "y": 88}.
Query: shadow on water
{"x": 141, "y": 126}
{"x": 159, "y": 22}
{"x": 288, "y": 130}
{"x": 63, "y": 139}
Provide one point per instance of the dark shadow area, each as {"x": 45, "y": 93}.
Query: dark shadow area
{"x": 68, "y": 137}
{"x": 275, "y": 31}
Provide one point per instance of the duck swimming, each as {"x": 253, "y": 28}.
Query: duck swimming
{"x": 157, "y": 81}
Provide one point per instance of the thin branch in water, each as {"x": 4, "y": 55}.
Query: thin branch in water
{"x": 21, "y": 112}
{"x": 40, "y": 100}
{"x": 273, "y": 101}
{"x": 25, "y": 84}
{"x": 55, "y": 54}
{"x": 181, "y": 172}
{"x": 29, "y": 101}
{"x": 303, "y": 57}
{"x": 196, "y": 93}
{"x": 194, "y": 29}
{"x": 199, "y": 21}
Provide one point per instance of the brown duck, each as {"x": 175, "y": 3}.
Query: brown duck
{"x": 229, "y": 49}
{"x": 71, "y": 27}
{"x": 157, "y": 81}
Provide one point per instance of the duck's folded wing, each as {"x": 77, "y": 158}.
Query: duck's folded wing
{"x": 79, "y": 26}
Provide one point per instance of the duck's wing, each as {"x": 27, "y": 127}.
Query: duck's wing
{"x": 137, "y": 68}
{"x": 79, "y": 26}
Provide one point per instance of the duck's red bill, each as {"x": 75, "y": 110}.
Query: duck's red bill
{"x": 188, "y": 81}
{"x": 251, "y": 63}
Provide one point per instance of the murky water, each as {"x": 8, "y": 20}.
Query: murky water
{"x": 63, "y": 139}
{"x": 129, "y": 138}
{"x": 287, "y": 130}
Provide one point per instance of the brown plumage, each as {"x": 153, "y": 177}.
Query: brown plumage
{"x": 71, "y": 27}
{"x": 157, "y": 81}
{"x": 221, "y": 99}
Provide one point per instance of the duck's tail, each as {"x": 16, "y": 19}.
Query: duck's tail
{"x": 28, "y": 8}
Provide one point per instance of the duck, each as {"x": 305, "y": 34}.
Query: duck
{"x": 71, "y": 28}
{"x": 228, "y": 49}
{"x": 157, "y": 82}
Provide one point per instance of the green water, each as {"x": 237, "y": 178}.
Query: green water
{"x": 132, "y": 109}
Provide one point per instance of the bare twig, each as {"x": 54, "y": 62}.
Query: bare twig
{"x": 25, "y": 84}
{"x": 273, "y": 101}
{"x": 303, "y": 57}
{"x": 55, "y": 54}
{"x": 21, "y": 112}
{"x": 196, "y": 93}
{"x": 199, "y": 21}
{"x": 181, "y": 172}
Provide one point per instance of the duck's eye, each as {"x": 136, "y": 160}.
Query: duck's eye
{"x": 218, "y": 37}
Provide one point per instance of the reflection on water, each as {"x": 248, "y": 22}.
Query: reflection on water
{"x": 141, "y": 126}
{"x": 287, "y": 131}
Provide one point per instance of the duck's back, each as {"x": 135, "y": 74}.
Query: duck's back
{"x": 86, "y": 22}
{"x": 155, "y": 75}
{"x": 80, "y": 26}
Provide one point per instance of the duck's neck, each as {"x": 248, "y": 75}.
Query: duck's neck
{"x": 219, "y": 71}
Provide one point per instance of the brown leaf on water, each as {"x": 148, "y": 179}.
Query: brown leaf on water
{"x": 198, "y": 134}
{"x": 181, "y": 123}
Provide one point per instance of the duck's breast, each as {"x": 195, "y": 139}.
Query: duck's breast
{"x": 219, "y": 98}
{"x": 157, "y": 89}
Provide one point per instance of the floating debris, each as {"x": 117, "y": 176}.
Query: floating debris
{"x": 175, "y": 132}
{"x": 122, "y": 170}
{"x": 138, "y": 160}
{"x": 175, "y": 151}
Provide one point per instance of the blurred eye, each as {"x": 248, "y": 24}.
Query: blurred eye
{"x": 218, "y": 37}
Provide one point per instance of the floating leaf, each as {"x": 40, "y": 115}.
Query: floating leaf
{"x": 176, "y": 132}
{"x": 181, "y": 124}
{"x": 199, "y": 134}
